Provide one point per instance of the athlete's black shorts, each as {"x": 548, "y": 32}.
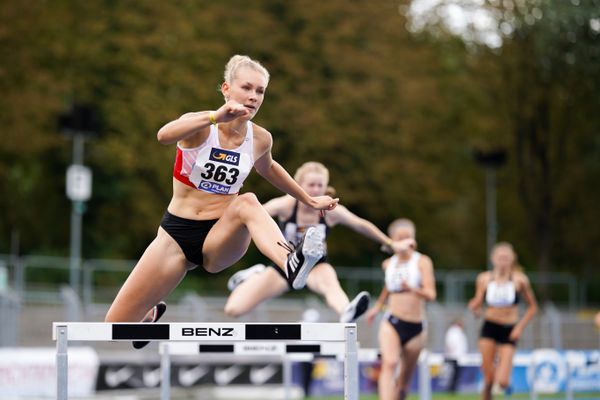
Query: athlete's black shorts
{"x": 499, "y": 333}
{"x": 188, "y": 233}
{"x": 406, "y": 330}
{"x": 280, "y": 271}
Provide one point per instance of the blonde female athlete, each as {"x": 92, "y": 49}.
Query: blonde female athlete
{"x": 501, "y": 290}
{"x": 208, "y": 222}
{"x": 409, "y": 283}
{"x": 256, "y": 284}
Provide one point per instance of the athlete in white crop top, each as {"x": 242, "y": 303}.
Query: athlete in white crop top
{"x": 403, "y": 275}
{"x": 214, "y": 169}
{"x": 208, "y": 222}
{"x": 409, "y": 283}
{"x": 500, "y": 290}
{"x": 501, "y": 294}
{"x": 256, "y": 284}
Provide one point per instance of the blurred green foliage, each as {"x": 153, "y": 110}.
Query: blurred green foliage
{"x": 394, "y": 114}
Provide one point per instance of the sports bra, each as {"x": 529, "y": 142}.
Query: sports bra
{"x": 211, "y": 168}
{"x": 501, "y": 295}
{"x": 294, "y": 232}
{"x": 403, "y": 271}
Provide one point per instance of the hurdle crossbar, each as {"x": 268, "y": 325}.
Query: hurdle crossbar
{"x": 64, "y": 332}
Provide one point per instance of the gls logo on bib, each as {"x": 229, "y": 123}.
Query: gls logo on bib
{"x": 225, "y": 156}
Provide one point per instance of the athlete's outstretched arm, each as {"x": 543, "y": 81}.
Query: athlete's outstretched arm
{"x": 276, "y": 207}
{"x": 341, "y": 215}
{"x": 272, "y": 171}
{"x": 193, "y": 123}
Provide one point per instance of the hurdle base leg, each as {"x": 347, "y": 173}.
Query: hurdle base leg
{"x": 62, "y": 363}
{"x": 165, "y": 366}
{"x": 351, "y": 364}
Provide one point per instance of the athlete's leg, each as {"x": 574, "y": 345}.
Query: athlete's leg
{"x": 245, "y": 219}
{"x": 324, "y": 281}
{"x": 506, "y": 353}
{"x": 389, "y": 344}
{"x": 410, "y": 356}
{"x": 254, "y": 290}
{"x": 228, "y": 240}
{"x": 157, "y": 273}
{"x": 487, "y": 348}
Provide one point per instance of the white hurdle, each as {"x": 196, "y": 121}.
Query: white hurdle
{"x": 64, "y": 332}
{"x": 306, "y": 351}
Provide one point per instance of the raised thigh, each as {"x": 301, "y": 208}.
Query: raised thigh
{"x": 227, "y": 241}
{"x": 157, "y": 273}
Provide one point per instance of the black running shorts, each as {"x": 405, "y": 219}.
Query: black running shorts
{"x": 188, "y": 233}
{"x": 499, "y": 333}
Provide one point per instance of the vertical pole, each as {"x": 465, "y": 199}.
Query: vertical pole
{"x": 76, "y": 211}
{"x": 568, "y": 389}
{"x": 532, "y": 388}
{"x": 165, "y": 366}
{"x": 490, "y": 201}
{"x": 351, "y": 363}
{"x": 287, "y": 376}
{"x": 16, "y": 263}
{"x": 87, "y": 295}
{"x": 424, "y": 376}
{"x": 62, "y": 363}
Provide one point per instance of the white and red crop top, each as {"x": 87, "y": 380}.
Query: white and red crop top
{"x": 211, "y": 168}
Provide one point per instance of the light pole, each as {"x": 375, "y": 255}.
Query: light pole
{"x": 491, "y": 161}
{"x": 79, "y": 122}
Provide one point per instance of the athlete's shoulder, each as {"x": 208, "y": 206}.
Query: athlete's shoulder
{"x": 263, "y": 140}
{"x": 261, "y": 133}
{"x": 386, "y": 263}
{"x": 520, "y": 276}
{"x": 425, "y": 260}
{"x": 484, "y": 277}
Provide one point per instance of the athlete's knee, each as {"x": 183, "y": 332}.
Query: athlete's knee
{"x": 112, "y": 316}
{"x": 210, "y": 266}
{"x": 503, "y": 382}
{"x": 248, "y": 201}
{"x": 109, "y": 317}
{"x": 234, "y": 310}
{"x": 488, "y": 380}
{"x": 390, "y": 364}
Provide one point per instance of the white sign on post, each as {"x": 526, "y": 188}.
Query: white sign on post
{"x": 79, "y": 183}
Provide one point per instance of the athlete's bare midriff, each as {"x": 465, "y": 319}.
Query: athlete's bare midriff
{"x": 407, "y": 306}
{"x": 195, "y": 204}
{"x": 503, "y": 316}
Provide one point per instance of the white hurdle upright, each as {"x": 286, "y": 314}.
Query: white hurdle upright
{"x": 64, "y": 332}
